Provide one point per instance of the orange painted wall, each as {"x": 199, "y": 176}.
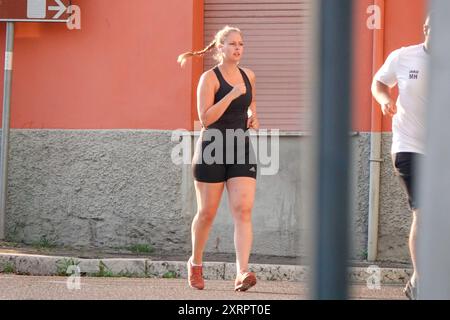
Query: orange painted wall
{"x": 197, "y": 62}
{"x": 362, "y": 66}
{"x": 118, "y": 72}
{"x": 403, "y": 27}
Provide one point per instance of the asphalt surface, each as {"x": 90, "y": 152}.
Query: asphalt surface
{"x": 15, "y": 287}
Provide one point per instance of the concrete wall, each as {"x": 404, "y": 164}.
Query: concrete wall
{"x": 395, "y": 218}
{"x": 118, "y": 188}
{"x": 278, "y": 219}
{"x": 95, "y": 189}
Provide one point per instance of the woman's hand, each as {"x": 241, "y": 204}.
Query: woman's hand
{"x": 253, "y": 122}
{"x": 239, "y": 90}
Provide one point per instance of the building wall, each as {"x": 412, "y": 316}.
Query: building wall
{"x": 93, "y": 189}
{"x": 118, "y": 188}
{"x": 403, "y": 21}
{"x": 118, "y": 72}
{"x": 92, "y": 116}
{"x": 403, "y": 27}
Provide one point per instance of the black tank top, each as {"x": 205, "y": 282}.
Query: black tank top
{"x": 235, "y": 116}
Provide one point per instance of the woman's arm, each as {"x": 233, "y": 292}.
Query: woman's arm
{"x": 253, "y": 121}
{"x": 207, "y": 110}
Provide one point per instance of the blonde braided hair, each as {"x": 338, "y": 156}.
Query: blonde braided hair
{"x": 219, "y": 38}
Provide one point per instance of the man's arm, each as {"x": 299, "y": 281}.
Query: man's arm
{"x": 382, "y": 93}
{"x": 384, "y": 80}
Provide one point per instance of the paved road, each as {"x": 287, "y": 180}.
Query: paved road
{"x": 50, "y": 288}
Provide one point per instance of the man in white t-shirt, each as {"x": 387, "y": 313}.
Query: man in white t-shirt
{"x": 408, "y": 68}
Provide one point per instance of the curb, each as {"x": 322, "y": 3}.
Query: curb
{"x": 41, "y": 265}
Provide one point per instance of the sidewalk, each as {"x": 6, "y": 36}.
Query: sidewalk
{"x": 16, "y": 287}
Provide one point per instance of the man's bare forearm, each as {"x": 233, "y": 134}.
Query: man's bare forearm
{"x": 381, "y": 92}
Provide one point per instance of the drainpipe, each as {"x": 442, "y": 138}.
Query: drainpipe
{"x": 375, "y": 143}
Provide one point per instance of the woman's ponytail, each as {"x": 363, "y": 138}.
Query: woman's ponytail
{"x": 183, "y": 57}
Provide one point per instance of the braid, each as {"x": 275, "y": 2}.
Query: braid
{"x": 218, "y": 39}
{"x": 183, "y": 57}
{"x": 209, "y": 47}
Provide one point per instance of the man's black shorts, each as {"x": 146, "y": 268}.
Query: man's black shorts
{"x": 405, "y": 165}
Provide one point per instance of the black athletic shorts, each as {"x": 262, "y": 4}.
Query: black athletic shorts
{"x": 238, "y": 164}
{"x": 405, "y": 165}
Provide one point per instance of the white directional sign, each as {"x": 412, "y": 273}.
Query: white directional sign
{"x": 35, "y": 10}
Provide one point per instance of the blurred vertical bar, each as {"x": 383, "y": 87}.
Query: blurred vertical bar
{"x": 332, "y": 147}
{"x": 434, "y": 223}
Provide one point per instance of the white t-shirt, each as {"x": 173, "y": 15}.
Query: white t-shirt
{"x": 408, "y": 67}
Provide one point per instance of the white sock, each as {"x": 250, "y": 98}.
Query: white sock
{"x": 195, "y": 265}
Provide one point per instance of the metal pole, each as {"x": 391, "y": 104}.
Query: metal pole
{"x": 375, "y": 144}
{"x": 332, "y": 151}
{"x": 5, "y": 127}
{"x": 434, "y": 224}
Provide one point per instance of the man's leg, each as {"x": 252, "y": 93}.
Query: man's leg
{"x": 404, "y": 164}
{"x": 413, "y": 247}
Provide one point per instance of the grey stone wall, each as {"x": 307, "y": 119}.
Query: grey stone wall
{"x": 95, "y": 189}
{"x": 360, "y": 173}
{"x": 395, "y": 217}
{"x": 281, "y": 217}
{"x": 278, "y": 219}
{"x": 119, "y": 188}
